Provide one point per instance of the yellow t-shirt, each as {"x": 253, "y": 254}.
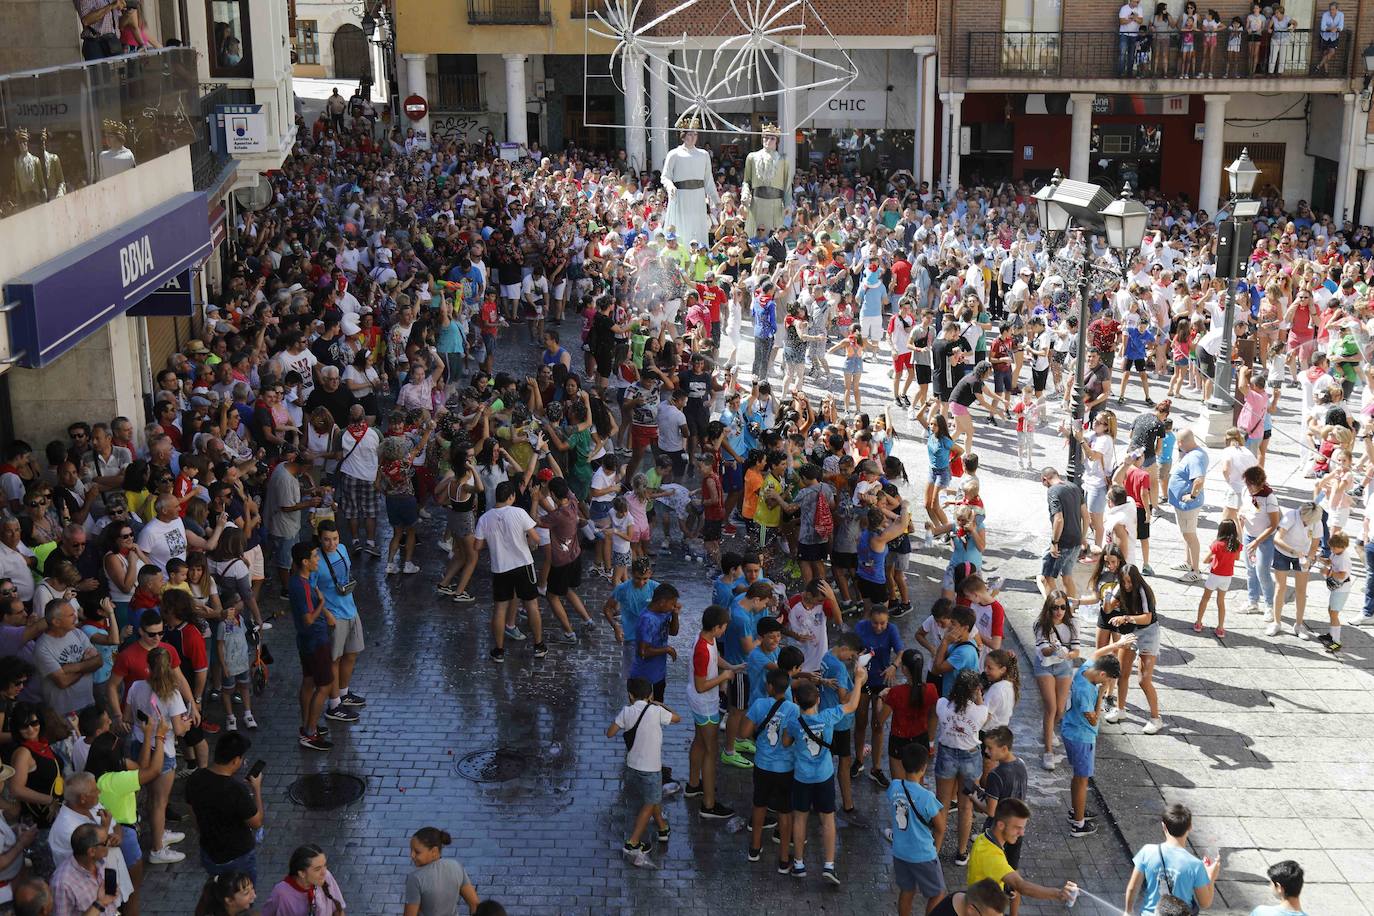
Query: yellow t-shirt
{"x": 119, "y": 795}
{"x": 765, "y": 514}
{"x": 182, "y": 587}
{"x": 987, "y": 860}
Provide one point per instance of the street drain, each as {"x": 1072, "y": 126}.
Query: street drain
{"x": 325, "y": 791}
{"x": 500, "y": 765}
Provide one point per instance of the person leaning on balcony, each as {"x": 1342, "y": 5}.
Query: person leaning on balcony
{"x": 99, "y": 28}
{"x": 1129, "y": 22}
{"x": 1332, "y": 25}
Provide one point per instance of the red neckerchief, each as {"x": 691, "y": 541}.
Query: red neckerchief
{"x": 8, "y": 468}
{"x": 358, "y": 430}
{"x": 308, "y": 890}
{"x": 39, "y": 748}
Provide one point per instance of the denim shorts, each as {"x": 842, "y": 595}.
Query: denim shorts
{"x": 1081, "y": 757}
{"x": 940, "y": 476}
{"x": 951, "y": 762}
{"x": 1147, "y": 640}
{"x": 1096, "y": 498}
{"x": 1061, "y": 668}
{"x": 1284, "y": 563}
{"x": 169, "y": 761}
{"x": 402, "y": 511}
{"x": 1053, "y": 568}
{"x": 643, "y": 788}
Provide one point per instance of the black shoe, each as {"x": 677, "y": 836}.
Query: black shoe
{"x": 852, "y": 818}
{"x": 755, "y": 853}
{"x": 497, "y": 655}
{"x": 641, "y": 846}
{"x": 322, "y": 730}
{"x": 174, "y": 815}
{"x": 352, "y": 700}
{"x": 784, "y": 868}
{"x": 691, "y": 791}
{"x": 856, "y": 768}
{"x": 898, "y": 609}
{"x": 1087, "y": 815}
{"x": 665, "y": 833}
{"x": 777, "y": 836}
{"x": 316, "y": 743}
{"x": 961, "y": 858}
{"x": 1087, "y": 828}
{"x": 540, "y": 650}
{"x": 770, "y": 822}
{"x": 341, "y": 713}
{"x": 879, "y": 777}
{"x": 717, "y": 812}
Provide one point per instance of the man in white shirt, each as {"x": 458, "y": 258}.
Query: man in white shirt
{"x": 507, "y": 531}
{"x": 298, "y": 356}
{"x": 672, "y": 430}
{"x": 1130, "y": 21}
{"x": 166, "y": 536}
{"x": 81, "y": 799}
{"x": 358, "y": 496}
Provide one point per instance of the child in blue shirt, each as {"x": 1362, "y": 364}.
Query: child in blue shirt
{"x": 917, "y": 817}
{"x": 813, "y": 772}
{"x": 630, "y": 598}
{"x": 741, "y": 636}
{"x": 655, "y": 625}
{"x": 768, "y": 719}
{"x": 723, "y": 586}
{"x": 1169, "y": 868}
{"x": 956, "y": 651}
{"x": 1080, "y": 724}
{"x": 763, "y": 658}
{"x": 882, "y": 639}
{"x": 837, "y": 687}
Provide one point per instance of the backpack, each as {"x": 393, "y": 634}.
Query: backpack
{"x": 821, "y": 519}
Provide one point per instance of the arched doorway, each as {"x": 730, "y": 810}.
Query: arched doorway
{"x": 351, "y": 58}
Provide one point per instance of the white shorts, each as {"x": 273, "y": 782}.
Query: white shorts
{"x": 560, "y": 288}
{"x": 510, "y": 290}
{"x": 1338, "y": 518}
{"x": 871, "y": 327}
{"x": 1217, "y": 583}
{"x": 1234, "y": 499}
{"x": 256, "y": 570}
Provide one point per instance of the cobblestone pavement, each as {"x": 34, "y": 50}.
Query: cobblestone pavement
{"x": 546, "y": 840}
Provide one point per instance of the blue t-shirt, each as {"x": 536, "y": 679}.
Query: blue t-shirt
{"x": 871, "y": 300}
{"x": 1082, "y": 700}
{"x": 1190, "y": 468}
{"x": 835, "y": 670}
{"x": 652, "y": 630}
{"x": 1275, "y": 909}
{"x": 1166, "y": 449}
{"x": 769, "y": 754}
{"x": 1136, "y": 341}
{"x": 722, "y": 592}
{"x": 1186, "y": 874}
{"x": 812, "y": 763}
{"x": 757, "y": 668}
{"x": 938, "y": 450}
{"x": 741, "y": 624}
{"x": 632, "y": 603}
{"x": 882, "y": 645}
{"x": 328, "y": 578}
{"x": 911, "y": 839}
{"x": 963, "y": 656}
{"x": 305, "y": 599}
{"x": 965, "y": 549}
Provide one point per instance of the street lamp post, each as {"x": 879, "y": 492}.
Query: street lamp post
{"x": 1242, "y": 175}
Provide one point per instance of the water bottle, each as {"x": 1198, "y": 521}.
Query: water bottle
{"x": 1073, "y": 895}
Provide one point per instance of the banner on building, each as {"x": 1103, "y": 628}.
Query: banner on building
{"x": 851, "y": 108}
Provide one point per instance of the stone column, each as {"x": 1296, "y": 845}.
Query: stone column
{"x": 633, "y": 79}
{"x": 1345, "y": 178}
{"x": 516, "y": 96}
{"x": 924, "y": 145}
{"x": 1367, "y": 201}
{"x": 1213, "y": 141}
{"x": 787, "y": 109}
{"x": 1081, "y": 135}
{"x": 954, "y": 103}
{"x": 417, "y": 84}
{"x": 658, "y": 109}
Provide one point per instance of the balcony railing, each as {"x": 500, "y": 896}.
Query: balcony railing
{"x": 458, "y": 92}
{"x": 1105, "y": 55}
{"x": 207, "y": 159}
{"x": 509, "y": 12}
{"x": 74, "y": 115}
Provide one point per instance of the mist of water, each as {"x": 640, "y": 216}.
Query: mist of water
{"x": 1107, "y": 905}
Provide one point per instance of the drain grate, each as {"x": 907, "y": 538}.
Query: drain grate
{"x": 500, "y": 765}
{"x": 325, "y": 791}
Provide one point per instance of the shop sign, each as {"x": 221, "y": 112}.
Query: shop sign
{"x": 851, "y": 108}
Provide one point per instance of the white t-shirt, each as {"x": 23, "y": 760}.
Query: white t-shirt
{"x": 646, "y": 754}
{"x": 304, "y": 363}
{"x": 142, "y": 699}
{"x": 1259, "y": 520}
{"x": 14, "y": 566}
{"x": 602, "y": 479}
{"x": 804, "y": 621}
{"x": 1297, "y": 535}
{"x": 1237, "y": 459}
{"x": 1123, "y": 515}
{"x": 163, "y": 540}
{"x": 362, "y": 463}
{"x": 959, "y": 730}
{"x": 1095, "y": 472}
{"x": 503, "y": 529}
{"x": 1000, "y": 699}
{"x": 670, "y": 424}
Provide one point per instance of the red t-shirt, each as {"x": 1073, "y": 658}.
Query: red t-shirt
{"x": 701, "y": 658}
{"x": 1137, "y": 484}
{"x": 713, "y": 509}
{"x": 901, "y": 275}
{"x": 131, "y": 664}
{"x": 714, "y": 297}
{"x": 1222, "y": 562}
{"x": 910, "y": 717}
{"x": 192, "y": 647}
{"x": 181, "y": 488}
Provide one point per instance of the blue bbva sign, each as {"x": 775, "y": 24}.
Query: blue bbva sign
{"x": 68, "y": 298}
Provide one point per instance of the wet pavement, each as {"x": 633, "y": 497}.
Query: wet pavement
{"x": 513, "y": 761}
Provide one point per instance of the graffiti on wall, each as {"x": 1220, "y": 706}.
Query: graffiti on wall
{"x": 465, "y": 128}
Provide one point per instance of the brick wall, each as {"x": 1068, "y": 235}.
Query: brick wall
{"x": 842, "y": 17}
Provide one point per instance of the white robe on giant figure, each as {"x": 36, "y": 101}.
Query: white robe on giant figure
{"x": 687, "y": 207}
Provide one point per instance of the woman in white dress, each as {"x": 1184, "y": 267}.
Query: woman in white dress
{"x": 691, "y": 187}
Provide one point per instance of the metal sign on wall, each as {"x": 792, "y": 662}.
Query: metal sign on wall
{"x": 851, "y": 108}
{"x": 66, "y": 299}
{"x": 245, "y": 129}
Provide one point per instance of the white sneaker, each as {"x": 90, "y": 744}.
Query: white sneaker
{"x": 1113, "y": 714}
{"x": 1250, "y": 608}
{"x": 1057, "y": 742}
{"x": 1360, "y": 620}
{"x": 410, "y": 569}
{"x": 1153, "y": 727}
{"x": 1272, "y": 629}
{"x": 1047, "y": 761}
{"x": 248, "y": 719}
{"x": 231, "y": 724}
{"x": 165, "y": 856}
{"x": 392, "y": 569}
{"x": 171, "y": 837}
{"x": 1301, "y": 632}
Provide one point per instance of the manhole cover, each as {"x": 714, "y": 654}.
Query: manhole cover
{"x": 323, "y": 791}
{"x": 492, "y": 766}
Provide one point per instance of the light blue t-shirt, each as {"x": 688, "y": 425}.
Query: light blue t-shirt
{"x": 758, "y": 662}
{"x": 812, "y": 763}
{"x": 911, "y": 839}
{"x": 1082, "y": 700}
{"x": 741, "y": 624}
{"x": 769, "y": 754}
{"x": 329, "y": 578}
{"x": 722, "y": 592}
{"x": 1166, "y": 450}
{"x": 1276, "y": 909}
{"x": 1189, "y": 468}
{"x": 1186, "y": 874}
{"x": 832, "y": 669}
{"x": 871, "y": 300}
{"x": 632, "y": 603}
{"x": 963, "y": 656}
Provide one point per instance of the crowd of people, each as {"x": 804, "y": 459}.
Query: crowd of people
{"x": 345, "y": 391}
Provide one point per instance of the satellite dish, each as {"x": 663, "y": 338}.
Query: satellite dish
{"x": 256, "y": 197}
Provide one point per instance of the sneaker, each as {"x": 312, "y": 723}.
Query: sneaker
{"x": 463, "y": 598}
{"x": 1182, "y": 567}
{"x": 784, "y": 867}
{"x": 1113, "y": 714}
{"x": 1251, "y": 608}
{"x": 744, "y": 745}
{"x": 1197, "y": 626}
{"x": 1191, "y": 575}
{"x": 165, "y": 856}
{"x": 729, "y": 530}
{"x": 424, "y": 514}
{"x": 718, "y": 812}
{"x": 1333, "y": 647}
{"x": 566, "y": 639}
{"x": 392, "y": 569}
{"x": 231, "y": 724}
{"x": 248, "y": 719}
{"x": 665, "y": 832}
{"x": 1147, "y": 569}
{"x": 736, "y": 760}
{"x": 961, "y": 858}
{"x": 341, "y": 713}
{"x": 1087, "y": 828}
{"x": 497, "y": 655}
{"x": 631, "y": 848}
{"x": 322, "y": 730}
{"x": 450, "y": 590}
{"x": 1301, "y": 632}
{"x": 770, "y": 822}
{"x": 1047, "y": 761}
{"x": 1220, "y": 632}
{"x": 1272, "y": 629}
{"x": 515, "y": 634}
{"x": 856, "y": 768}
{"x": 1087, "y": 815}
{"x": 316, "y": 743}
{"x": 1153, "y": 727}
{"x": 1361, "y": 620}
{"x": 755, "y": 853}
{"x": 410, "y": 568}
{"x": 373, "y": 549}
{"x": 851, "y": 818}
{"x": 798, "y": 869}
{"x": 172, "y": 837}
{"x": 828, "y": 873}
{"x": 352, "y": 700}
{"x": 693, "y": 791}
{"x": 897, "y": 610}
{"x": 880, "y": 778}
{"x": 540, "y": 650}
{"x": 887, "y": 834}
{"x": 209, "y": 728}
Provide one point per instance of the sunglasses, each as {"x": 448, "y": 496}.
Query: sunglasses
{"x": 157, "y": 633}
{"x": 34, "y": 503}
